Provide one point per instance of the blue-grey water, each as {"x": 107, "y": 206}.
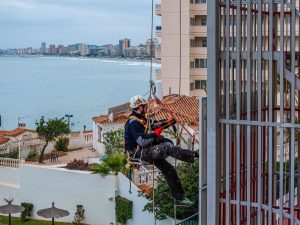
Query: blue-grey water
{"x": 31, "y": 87}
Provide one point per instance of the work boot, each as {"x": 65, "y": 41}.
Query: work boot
{"x": 185, "y": 202}
{"x": 196, "y": 155}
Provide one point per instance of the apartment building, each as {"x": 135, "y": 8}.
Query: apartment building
{"x": 183, "y": 50}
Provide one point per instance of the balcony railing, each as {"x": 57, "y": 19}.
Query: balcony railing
{"x": 158, "y": 52}
{"x": 11, "y": 163}
{"x": 144, "y": 177}
{"x": 158, "y": 31}
{"x": 158, "y": 9}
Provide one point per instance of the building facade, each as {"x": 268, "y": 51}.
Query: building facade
{"x": 253, "y": 113}
{"x": 183, "y": 50}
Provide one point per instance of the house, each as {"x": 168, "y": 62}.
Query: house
{"x": 22, "y": 137}
{"x": 185, "y": 109}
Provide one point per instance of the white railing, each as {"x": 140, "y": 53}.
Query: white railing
{"x": 12, "y": 163}
{"x": 144, "y": 177}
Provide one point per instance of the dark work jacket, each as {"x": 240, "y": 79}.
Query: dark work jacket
{"x": 135, "y": 133}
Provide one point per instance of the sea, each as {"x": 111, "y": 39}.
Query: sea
{"x": 31, "y": 87}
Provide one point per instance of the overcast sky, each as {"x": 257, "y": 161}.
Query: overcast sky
{"x": 25, "y": 23}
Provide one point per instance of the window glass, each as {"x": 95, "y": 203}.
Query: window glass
{"x": 191, "y": 86}
{"x": 192, "y": 65}
{"x": 203, "y": 84}
{"x": 203, "y": 21}
{"x": 99, "y": 134}
{"x": 197, "y": 84}
{"x": 203, "y": 63}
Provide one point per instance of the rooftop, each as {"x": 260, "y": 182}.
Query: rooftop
{"x": 185, "y": 109}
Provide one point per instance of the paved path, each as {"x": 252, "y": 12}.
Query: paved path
{"x": 78, "y": 154}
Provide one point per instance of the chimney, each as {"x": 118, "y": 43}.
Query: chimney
{"x": 159, "y": 89}
{"x": 22, "y": 125}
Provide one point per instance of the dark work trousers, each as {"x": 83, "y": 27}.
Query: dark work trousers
{"x": 156, "y": 154}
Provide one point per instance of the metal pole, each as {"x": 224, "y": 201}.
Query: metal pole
{"x": 212, "y": 118}
{"x": 9, "y": 219}
{"x": 52, "y": 221}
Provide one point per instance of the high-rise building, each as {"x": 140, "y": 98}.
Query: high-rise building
{"x": 154, "y": 44}
{"x": 43, "y": 49}
{"x": 83, "y": 49}
{"x": 183, "y": 51}
{"x": 52, "y": 50}
{"x": 123, "y": 45}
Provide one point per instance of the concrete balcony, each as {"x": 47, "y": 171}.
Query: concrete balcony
{"x": 158, "y": 31}
{"x": 198, "y": 30}
{"x": 198, "y": 72}
{"x": 194, "y": 51}
{"x": 158, "y": 74}
{"x": 158, "y": 9}
{"x": 199, "y": 9}
{"x": 158, "y": 52}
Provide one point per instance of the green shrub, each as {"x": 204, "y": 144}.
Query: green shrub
{"x": 32, "y": 155}
{"x": 62, "y": 144}
{"x": 12, "y": 154}
{"x": 123, "y": 209}
{"x": 113, "y": 140}
{"x": 27, "y": 212}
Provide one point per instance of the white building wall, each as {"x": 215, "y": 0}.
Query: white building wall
{"x": 99, "y": 147}
{"x": 42, "y": 185}
{"x": 139, "y": 217}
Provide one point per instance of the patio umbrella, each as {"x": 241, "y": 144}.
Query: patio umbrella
{"x": 10, "y": 209}
{"x": 53, "y": 213}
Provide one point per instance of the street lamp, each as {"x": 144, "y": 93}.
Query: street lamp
{"x": 69, "y": 116}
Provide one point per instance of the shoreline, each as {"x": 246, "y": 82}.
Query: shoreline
{"x": 155, "y": 61}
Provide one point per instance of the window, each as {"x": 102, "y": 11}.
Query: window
{"x": 192, "y": 86}
{"x": 197, "y": 84}
{"x": 200, "y": 84}
{"x": 192, "y": 21}
{"x": 204, "y": 43}
{"x": 192, "y": 64}
{"x": 199, "y": 63}
{"x": 203, "y": 21}
{"x": 100, "y": 134}
{"x": 200, "y": 1}
{"x": 203, "y": 84}
{"x": 192, "y": 43}
{"x": 203, "y": 63}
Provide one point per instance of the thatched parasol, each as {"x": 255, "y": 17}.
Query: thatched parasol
{"x": 53, "y": 213}
{"x": 10, "y": 209}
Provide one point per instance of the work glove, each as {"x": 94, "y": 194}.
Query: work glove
{"x": 158, "y": 131}
{"x": 159, "y": 138}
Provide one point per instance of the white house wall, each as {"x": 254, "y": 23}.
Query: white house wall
{"x": 139, "y": 217}
{"x": 41, "y": 185}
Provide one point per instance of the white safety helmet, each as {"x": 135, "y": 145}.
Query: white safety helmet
{"x": 136, "y": 101}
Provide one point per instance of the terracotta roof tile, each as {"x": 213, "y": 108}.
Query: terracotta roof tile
{"x": 88, "y": 131}
{"x": 16, "y": 132}
{"x": 100, "y": 119}
{"x": 4, "y": 140}
{"x": 185, "y": 109}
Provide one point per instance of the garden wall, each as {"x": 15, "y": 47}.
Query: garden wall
{"x": 42, "y": 185}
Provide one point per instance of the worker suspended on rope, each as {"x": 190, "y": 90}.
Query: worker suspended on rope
{"x": 154, "y": 148}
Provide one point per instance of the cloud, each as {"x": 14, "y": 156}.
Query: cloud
{"x": 70, "y": 21}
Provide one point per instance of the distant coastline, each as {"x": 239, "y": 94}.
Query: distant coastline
{"x": 155, "y": 61}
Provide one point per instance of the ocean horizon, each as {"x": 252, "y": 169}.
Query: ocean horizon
{"x": 48, "y": 86}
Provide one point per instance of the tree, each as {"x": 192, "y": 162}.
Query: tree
{"x": 113, "y": 140}
{"x": 164, "y": 203}
{"x": 62, "y": 144}
{"x": 50, "y": 130}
